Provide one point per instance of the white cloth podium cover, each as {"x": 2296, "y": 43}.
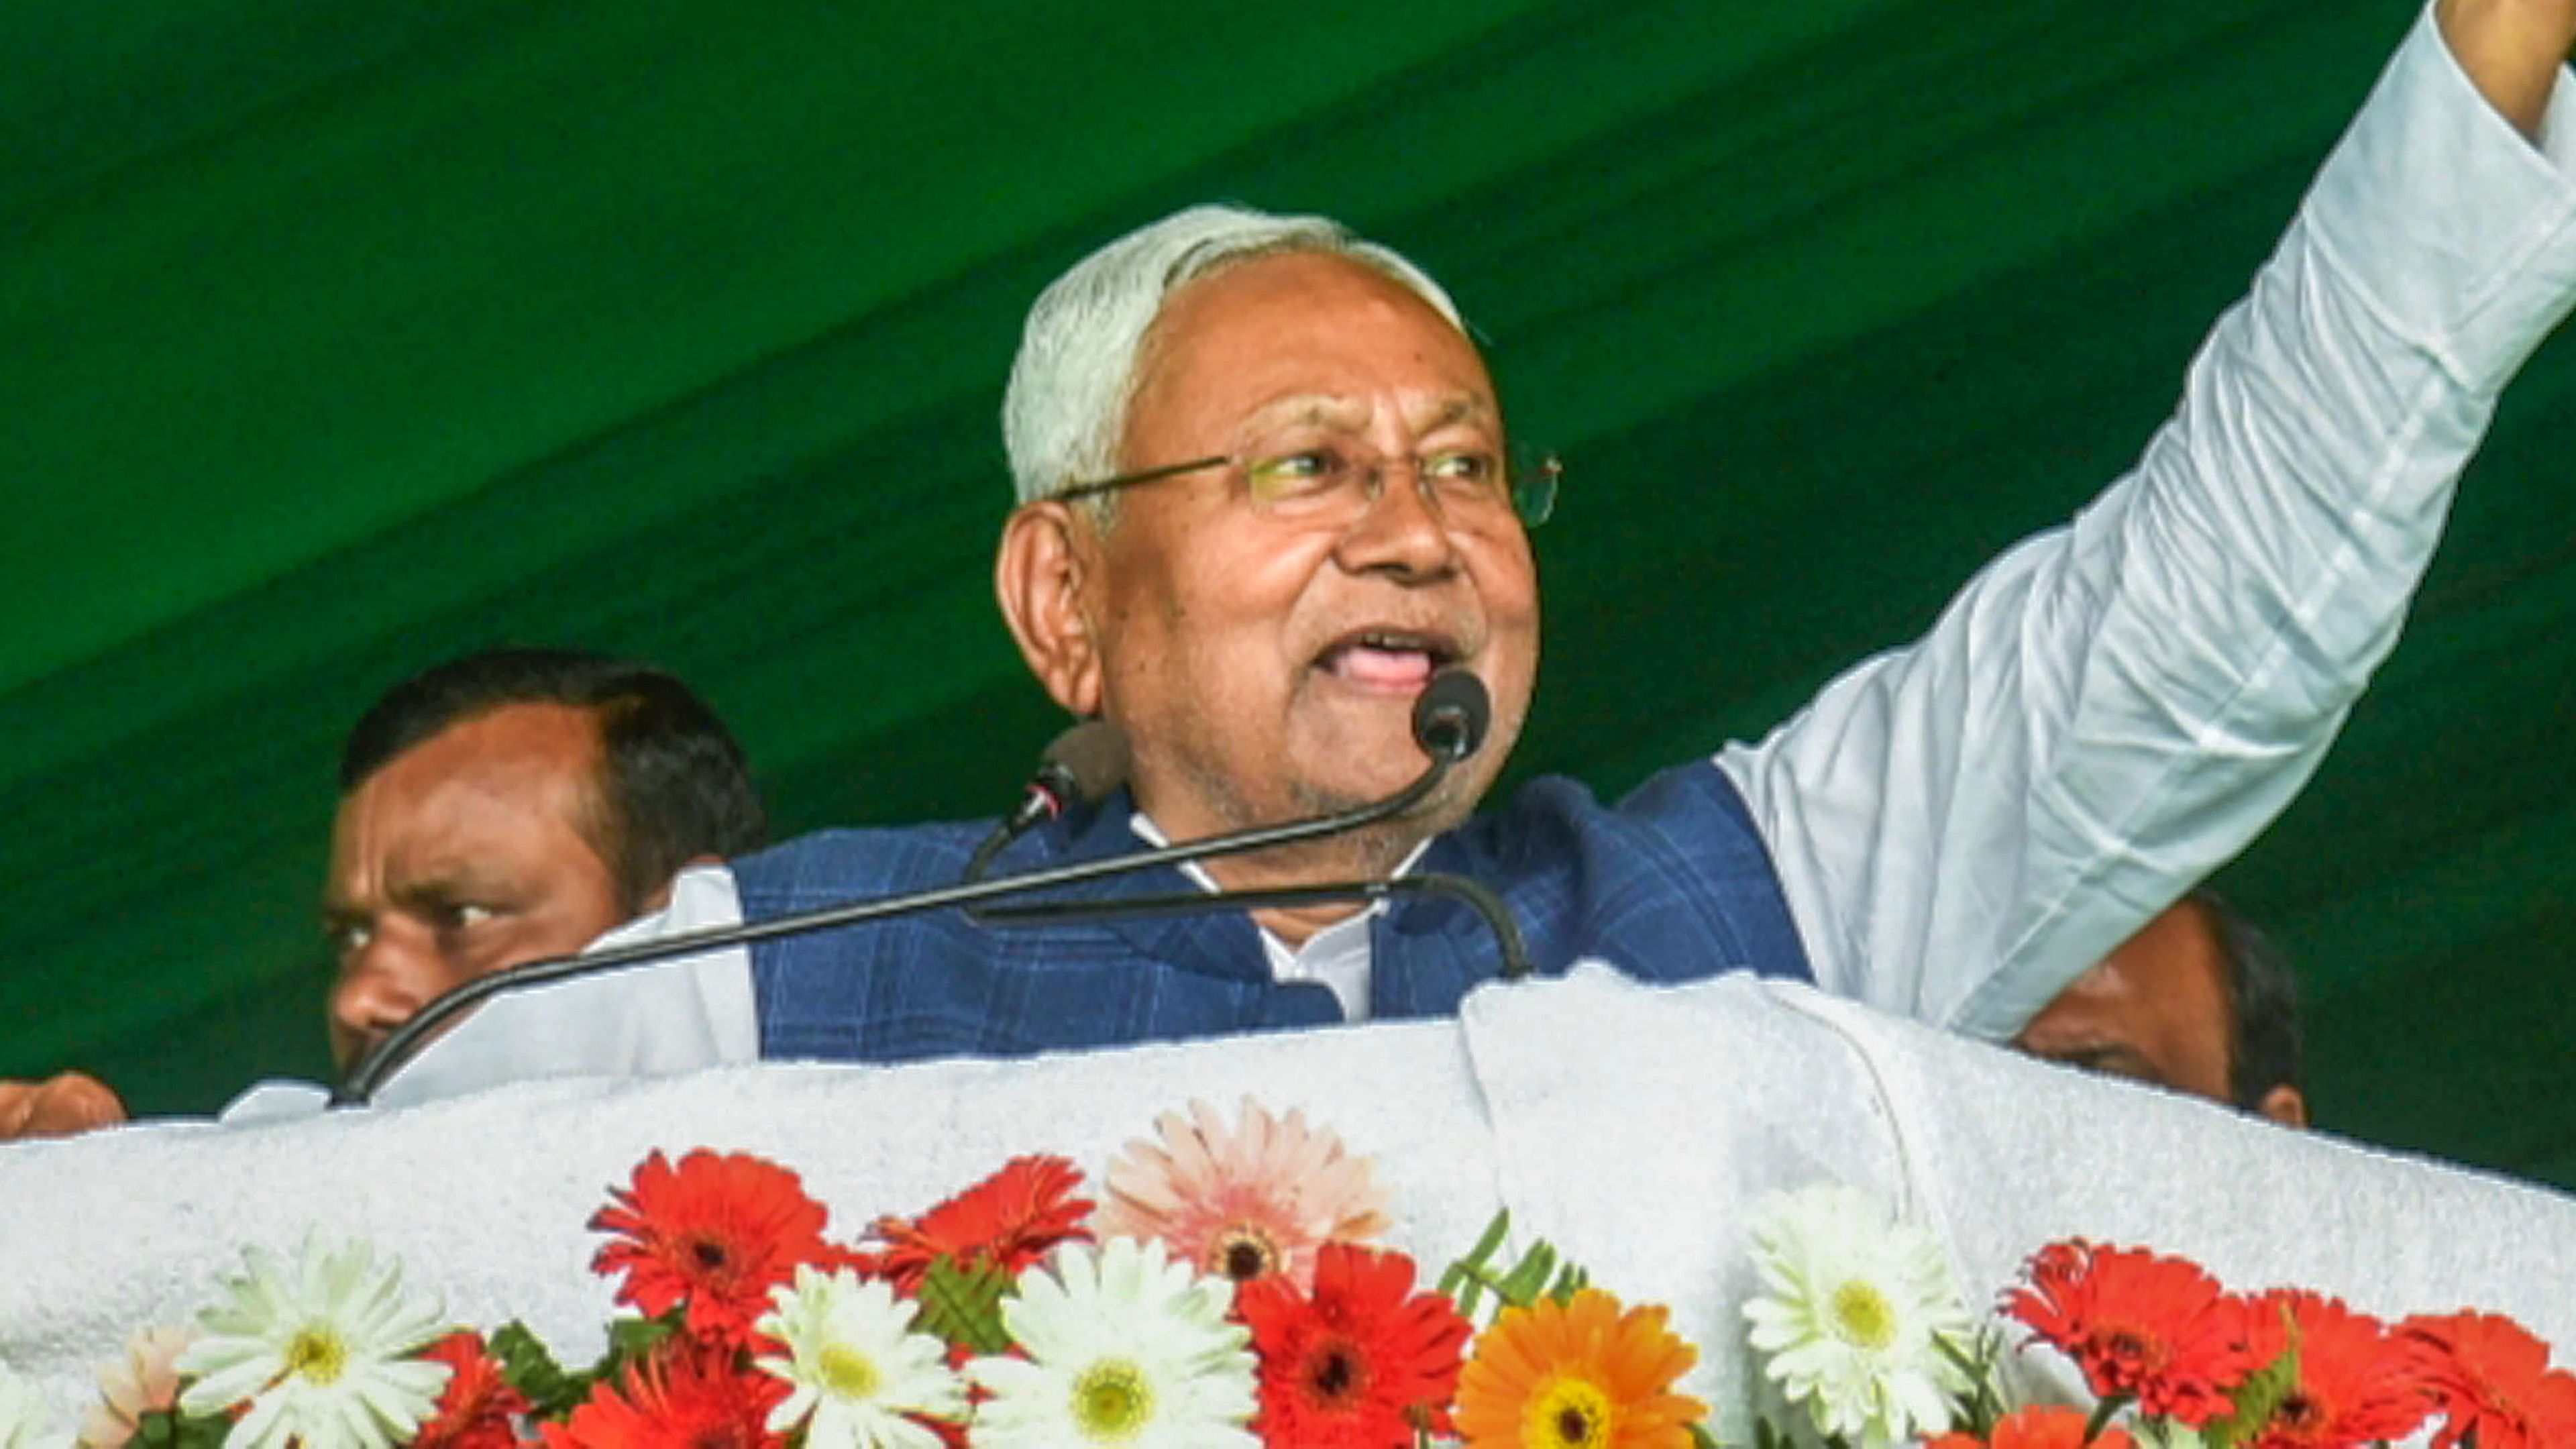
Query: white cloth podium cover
{"x": 1634, "y": 1127}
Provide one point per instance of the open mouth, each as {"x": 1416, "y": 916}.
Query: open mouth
{"x": 1394, "y": 660}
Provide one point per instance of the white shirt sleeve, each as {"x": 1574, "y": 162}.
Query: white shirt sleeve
{"x": 2115, "y": 708}
{"x": 651, "y": 1020}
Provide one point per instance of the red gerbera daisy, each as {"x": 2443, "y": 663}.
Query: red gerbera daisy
{"x": 2354, "y": 1386}
{"x": 1363, "y": 1364}
{"x": 688, "y": 1399}
{"x": 1009, "y": 1220}
{"x": 475, "y": 1408}
{"x": 716, "y": 1234}
{"x": 2491, "y": 1382}
{"x": 2047, "y": 1426}
{"x": 2155, "y": 1329}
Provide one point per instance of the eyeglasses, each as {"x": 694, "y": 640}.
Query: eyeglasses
{"x": 1335, "y": 487}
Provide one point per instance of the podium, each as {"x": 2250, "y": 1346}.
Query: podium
{"x": 1636, "y": 1128}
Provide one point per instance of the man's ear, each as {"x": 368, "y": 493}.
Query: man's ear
{"x": 2284, "y": 1104}
{"x": 1039, "y": 574}
{"x": 660, "y": 900}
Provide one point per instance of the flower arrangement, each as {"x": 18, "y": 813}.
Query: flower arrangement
{"x": 1860, "y": 1328}
{"x": 1228, "y": 1293}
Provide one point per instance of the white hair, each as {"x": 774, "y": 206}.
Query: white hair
{"x": 1065, "y": 413}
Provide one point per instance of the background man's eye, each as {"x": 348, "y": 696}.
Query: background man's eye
{"x": 347, "y": 941}
{"x": 465, "y": 916}
{"x": 1463, "y": 467}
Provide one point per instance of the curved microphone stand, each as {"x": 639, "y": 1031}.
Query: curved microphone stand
{"x": 1507, "y": 932}
{"x": 1444, "y": 741}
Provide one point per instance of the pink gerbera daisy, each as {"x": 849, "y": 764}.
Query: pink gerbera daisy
{"x": 1241, "y": 1203}
{"x": 144, "y": 1381}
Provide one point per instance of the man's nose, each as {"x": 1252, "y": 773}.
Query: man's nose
{"x": 1402, "y": 531}
{"x": 380, "y": 988}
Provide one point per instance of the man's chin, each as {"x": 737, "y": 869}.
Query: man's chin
{"x": 1350, "y": 790}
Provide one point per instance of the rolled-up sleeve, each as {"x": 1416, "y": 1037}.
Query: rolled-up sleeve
{"x": 2115, "y": 708}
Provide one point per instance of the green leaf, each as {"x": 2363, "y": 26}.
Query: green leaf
{"x": 2256, "y": 1400}
{"x": 1982, "y": 1405}
{"x": 632, "y": 1338}
{"x": 1540, "y": 1273}
{"x": 2102, "y": 1413}
{"x": 964, "y": 1305}
{"x": 530, "y": 1367}
{"x": 1528, "y": 1278}
{"x": 1465, "y": 1279}
{"x": 1702, "y": 1439}
{"x": 629, "y": 1339}
{"x": 170, "y": 1429}
{"x": 1570, "y": 1280}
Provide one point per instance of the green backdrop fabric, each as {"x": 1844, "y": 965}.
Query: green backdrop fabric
{"x": 339, "y": 337}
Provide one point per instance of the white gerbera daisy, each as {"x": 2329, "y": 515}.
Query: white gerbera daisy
{"x": 856, "y": 1366}
{"x": 319, "y": 1353}
{"x": 1850, "y": 1313}
{"x": 25, "y": 1420}
{"x": 1124, "y": 1347}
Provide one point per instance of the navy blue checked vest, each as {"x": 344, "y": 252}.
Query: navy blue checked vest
{"x": 1672, "y": 885}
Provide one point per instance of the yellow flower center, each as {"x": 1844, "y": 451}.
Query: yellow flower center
{"x": 1571, "y": 1413}
{"x": 847, "y": 1372}
{"x": 1862, "y": 1315}
{"x": 318, "y": 1355}
{"x": 1112, "y": 1401}
{"x": 1241, "y": 1252}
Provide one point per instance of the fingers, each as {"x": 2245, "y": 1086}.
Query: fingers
{"x": 62, "y": 1106}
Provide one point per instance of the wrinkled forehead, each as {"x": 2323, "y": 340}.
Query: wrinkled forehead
{"x": 1311, "y": 337}
{"x": 1327, "y": 412}
{"x": 520, "y": 771}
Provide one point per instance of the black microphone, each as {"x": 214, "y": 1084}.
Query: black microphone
{"x": 1082, "y": 766}
{"x": 1462, "y": 710}
{"x": 1452, "y": 714}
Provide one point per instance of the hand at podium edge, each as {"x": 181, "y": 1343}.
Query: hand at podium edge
{"x": 59, "y": 1106}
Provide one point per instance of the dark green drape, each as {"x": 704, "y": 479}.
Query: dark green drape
{"x": 337, "y": 337}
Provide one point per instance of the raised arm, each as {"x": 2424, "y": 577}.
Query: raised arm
{"x": 2115, "y": 708}
{"x": 2512, "y": 51}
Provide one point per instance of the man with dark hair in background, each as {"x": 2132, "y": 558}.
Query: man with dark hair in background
{"x": 2198, "y": 1001}
{"x": 502, "y": 807}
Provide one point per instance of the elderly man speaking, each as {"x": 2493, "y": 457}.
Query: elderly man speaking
{"x": 1265, "y": 491}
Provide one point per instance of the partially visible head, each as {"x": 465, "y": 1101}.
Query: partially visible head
{"x": 512, "y": 805}
{"x": 2198, "y": 1001}
{"x": 1260, "y": 668}
{"x": 1083, "y": 351}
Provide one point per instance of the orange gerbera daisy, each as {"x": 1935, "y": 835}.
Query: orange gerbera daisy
{"x": 1009, "y": 1220}
{"x": 2354, "y": 1387}
{"x": 1577, "y": 1375}
{"x": 475, "y": 1409}
{"x": 2047, "y": 1426}
{"x": 2155, "y": 1329}
{"x": 1240, "y": 1203}
{"x": 2491, "y": 1382}
{"x": 687, "y": 1399}
{"x": 1363, "y": 1364}
{"x": 715, "y": 1234}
